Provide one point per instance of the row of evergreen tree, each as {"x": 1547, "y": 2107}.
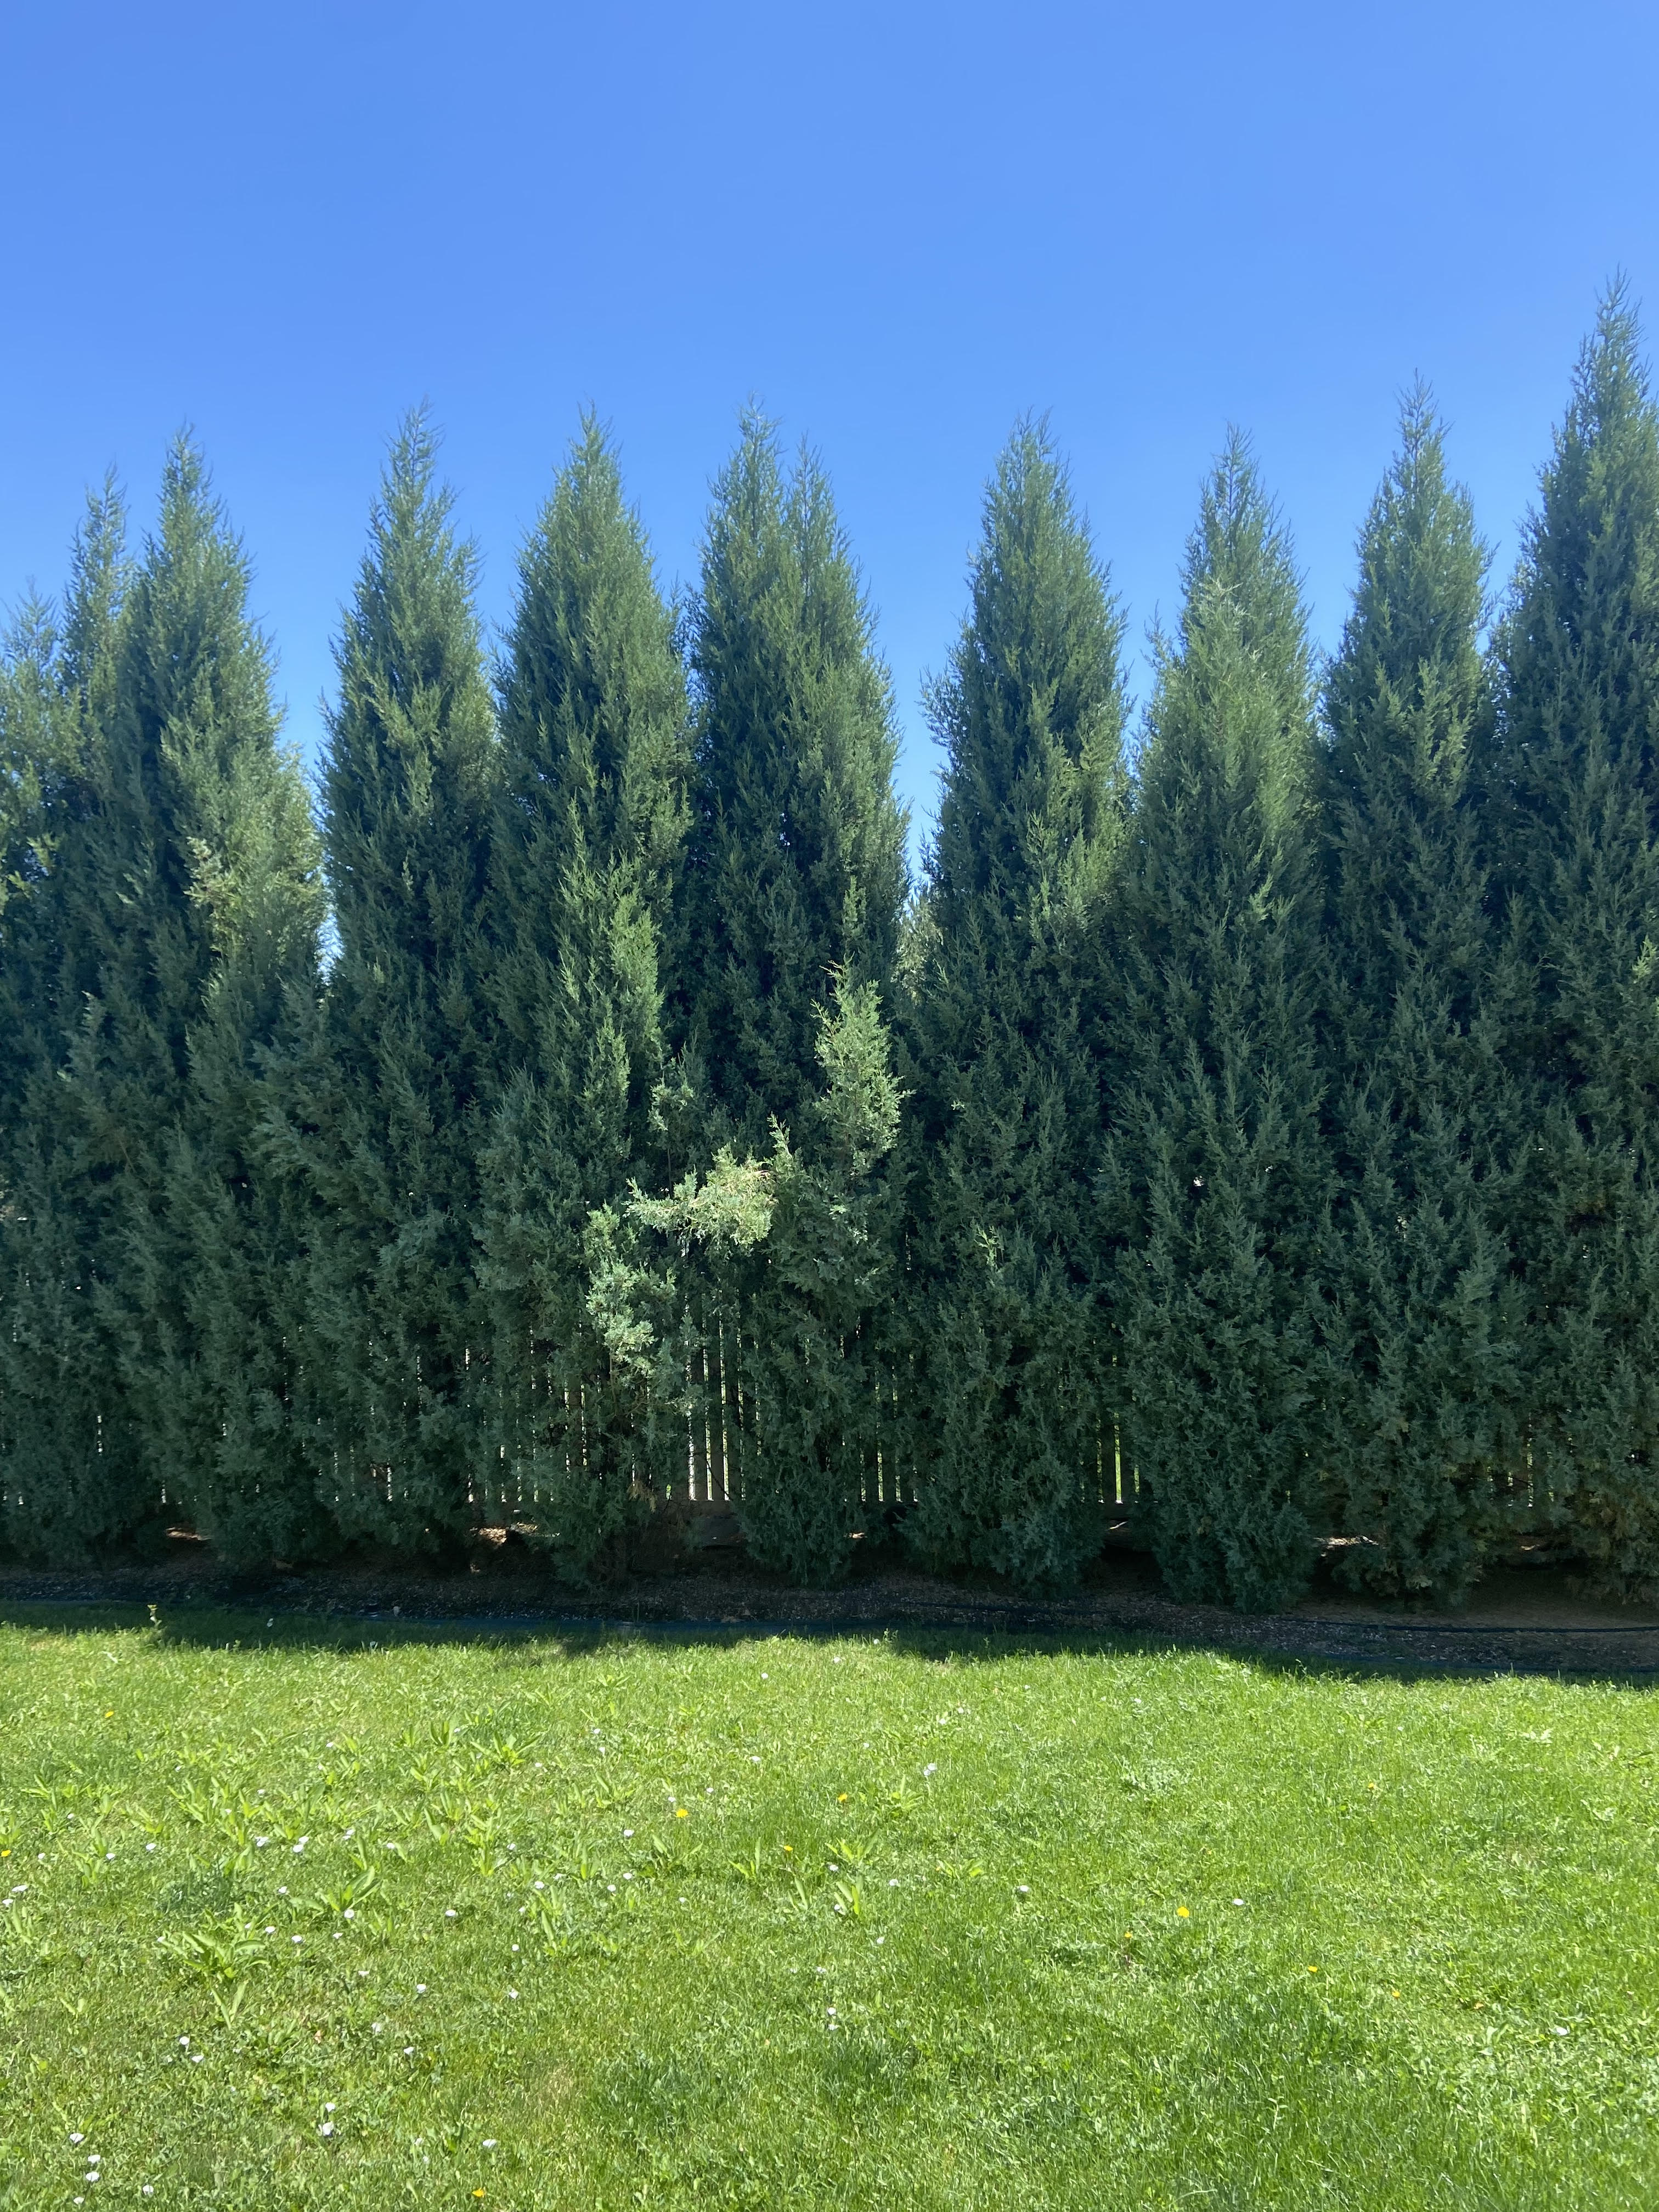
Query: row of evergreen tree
{"x": 1251, "y": 1128}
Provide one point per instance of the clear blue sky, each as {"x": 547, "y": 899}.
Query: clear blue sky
{"x": 897, "y": 225}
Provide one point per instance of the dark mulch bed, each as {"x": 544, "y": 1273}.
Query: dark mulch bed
{"x": 1523, "y": 1619}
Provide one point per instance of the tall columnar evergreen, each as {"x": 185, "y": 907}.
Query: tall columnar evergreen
{"x": 1268, "y": 1139}
{"x": 74, "y": 1458}
{"x": 1416, "y": 1099}
{"x": 590, "y": 827}
{"x": 384, "y": 1112}
{"x": 1010, "y": 1364}
{"x": 795, "y": 865}
{"x": 1569, "y": 781}
{"x": 56, "y": 696}
{"x": 787, "y": 932}
{"x": 216, "y": 1364}
{"x": 1220, "y": 1160}
{"x": 182, "y": 899}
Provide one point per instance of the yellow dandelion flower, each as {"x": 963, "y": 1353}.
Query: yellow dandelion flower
{"x": 681, "y": 1814}
{"x": 1181, "y": 1913}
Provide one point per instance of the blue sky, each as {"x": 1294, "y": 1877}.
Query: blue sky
{"x": 898, "y": 225}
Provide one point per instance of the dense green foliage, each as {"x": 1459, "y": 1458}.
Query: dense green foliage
{"x": 1416, "y": 1096}
{"x": 76, "y": 1473}
{"x": 179, "y": 902}
{"x": 293, "y": 1922}
{"x": 588, "y": 846}
{"x": 1011, "y": 1358}
{"x": 1220, "y": 1173}
{"x": 376, "y": 1113}
{"x": 787, "y": 936}
{"x": 1569, "y": 779}
{"x": 795, "y": 865}
{"x": 1250, "y": 1134}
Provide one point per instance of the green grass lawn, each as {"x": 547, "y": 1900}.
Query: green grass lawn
{"x": 313, "y": 1919}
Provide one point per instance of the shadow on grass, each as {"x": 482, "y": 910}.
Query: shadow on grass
{"x": 552, "y": 1640}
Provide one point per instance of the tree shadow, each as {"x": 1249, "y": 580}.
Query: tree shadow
{"x": 1279, "y": 1646}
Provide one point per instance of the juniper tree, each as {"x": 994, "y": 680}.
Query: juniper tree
{"x": 1219, "y": 1157}
{"x": 794, "y": 881}
{"x": 35, "y": 763}
{"x": 186, "y": 869}
{"x": 220, "y": 1345}
{"x": 795, "y": 863}
{"x": 74, "y": 1468}
{"x": 590, "y": 827}
{"x": 1012, "y": 1355}
{"x": 1416, "y": 1103}
{"x": 1568, "y": 780}
{"x": 382, "y": 1112}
